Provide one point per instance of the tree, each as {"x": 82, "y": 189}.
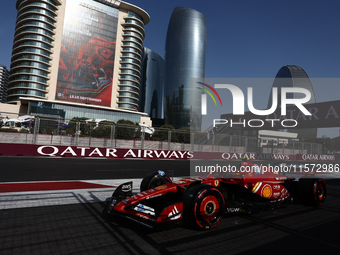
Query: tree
{"x": 329, "y": 146}
{"x": 103, "y": 130}
{"x": 84, "y": 128}
{"x": 162, "y": 134}
{"x": 183, "y": 135}
{"x": 24, "y": 130}
{"x": 89, "y": 126}
{"x": 125, "y": 129}
{"x": 336, "y": 144}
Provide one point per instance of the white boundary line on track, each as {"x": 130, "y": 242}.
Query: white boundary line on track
{"x": 25, "y": 199}
{"x": 12, "y": 200}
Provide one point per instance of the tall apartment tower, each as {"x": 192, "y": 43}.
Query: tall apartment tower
{"x": 78, "y": 58}
{"x": 185, "y": 56}
{"x": 4, "y": 74}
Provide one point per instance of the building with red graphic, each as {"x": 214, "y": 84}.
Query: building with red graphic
{"x": 78, "y": 58}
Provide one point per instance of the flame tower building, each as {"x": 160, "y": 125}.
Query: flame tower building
{"x": 295, "y": 76}
{"x": 185, "y": 55}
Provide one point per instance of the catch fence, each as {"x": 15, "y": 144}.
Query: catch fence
{"x": 89, "y": 133}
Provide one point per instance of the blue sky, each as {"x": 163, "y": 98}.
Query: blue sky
{"x": 249, "y": 38}
{"x": 245, "y": 38}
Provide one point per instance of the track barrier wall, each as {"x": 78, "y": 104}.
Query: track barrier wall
{"x": 12, "y": 149}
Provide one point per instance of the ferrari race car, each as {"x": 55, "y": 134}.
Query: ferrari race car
{"x": 88, "y": 79}
{"x": 201, "y": 202}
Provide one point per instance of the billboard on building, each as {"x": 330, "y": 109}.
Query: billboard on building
{"x": 87, "y": 53}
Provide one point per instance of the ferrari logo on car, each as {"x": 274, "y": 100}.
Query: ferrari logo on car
{"x": 216, "y": 183}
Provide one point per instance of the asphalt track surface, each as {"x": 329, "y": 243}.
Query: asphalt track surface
{"x": 82, "y": 227}
{"x": 14, "y": 169}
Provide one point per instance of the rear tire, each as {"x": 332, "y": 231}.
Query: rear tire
{"x": 153, "y": 180}
{"x": 312, "y": 191}
{"x": 203, "y": 206}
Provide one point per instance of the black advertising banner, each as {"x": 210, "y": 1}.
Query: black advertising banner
{"x": 87, "y": 53}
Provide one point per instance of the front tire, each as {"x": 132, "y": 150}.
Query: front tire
{"x": 153, "y": 180}
{"x": 203, "y": 206}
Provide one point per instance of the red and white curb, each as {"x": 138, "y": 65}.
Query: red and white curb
{"x": 34, "y": 194}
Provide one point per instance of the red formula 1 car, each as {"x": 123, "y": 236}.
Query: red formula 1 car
{"x": 201, "y": 202}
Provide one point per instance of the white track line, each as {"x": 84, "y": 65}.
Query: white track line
{"x": 12, "y": 200}
{"x": 25, "y": 199}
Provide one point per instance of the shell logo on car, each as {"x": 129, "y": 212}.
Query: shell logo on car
{"x": 266, "y": 191}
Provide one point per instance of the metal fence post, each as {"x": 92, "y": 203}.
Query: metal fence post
{"x": 36, "y": 129}
{"x": 59, "y": 129}
{"x": 142, "y": 138}
{"x": 169, "y": 139}
{"x": 77, "y": 132}
{"x": 90, "y": 133}
{"x": 192, "y": 140}
{"x": 213, "y": 142}
{"x": 112, "y": 135}
{"x": 311, "y": 148}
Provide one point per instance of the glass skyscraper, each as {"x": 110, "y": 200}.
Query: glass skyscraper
{"x": 152, "y": 85}
{"x": 185, "y": 55}
{"x": 295, "y": 76}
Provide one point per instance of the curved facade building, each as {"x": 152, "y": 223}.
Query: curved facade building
{"x": 185, "y": 55}
{"x": 32, "y": 48}
{"x": 71, "y": 57}
{"x": 295, "y": 76}
{"x": 152, "y": 85}
{"x": 131, "y": 61}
